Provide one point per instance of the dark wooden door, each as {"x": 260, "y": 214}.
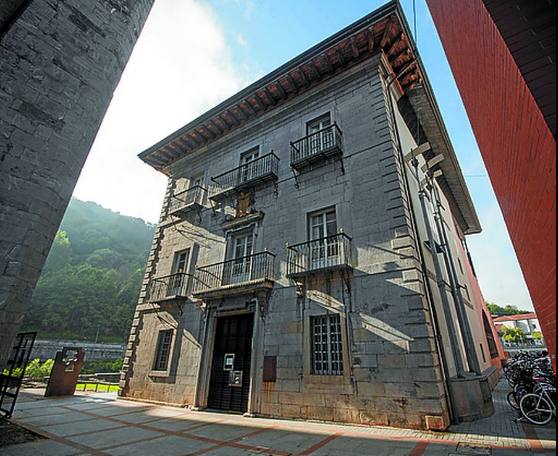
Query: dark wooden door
{"x": 232, "y": 354}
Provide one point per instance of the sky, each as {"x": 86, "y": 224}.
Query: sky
{"x": 193, "y": 54}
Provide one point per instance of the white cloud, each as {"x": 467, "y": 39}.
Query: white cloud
{"x": 181, "y": 67}
{"x": 499, "y": 273}
{"x": 241, "y": 40}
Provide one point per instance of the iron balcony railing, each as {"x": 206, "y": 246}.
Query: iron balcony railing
{"x": 323, "y": 143}
{"x": 187, "y": 199}
{"x": 169, "y": 287}
{"x": 332, "y": 252}
{"x": 247, "y": 270}
{"x": 260, "y": 170}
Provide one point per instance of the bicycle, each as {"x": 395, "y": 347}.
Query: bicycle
{"x": 539, "y": 408}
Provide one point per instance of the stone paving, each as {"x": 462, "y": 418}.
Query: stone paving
{"x": 98, "y": 424}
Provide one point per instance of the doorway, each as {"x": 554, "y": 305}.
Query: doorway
{"x": 229, "y": 388}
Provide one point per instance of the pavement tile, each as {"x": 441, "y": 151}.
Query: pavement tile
{"x": 349, "y": 446}
{"x": 283, "y": 440}
{"x": 177, "y": 424}
{"x": 48, "y": 420}
{"x": 40, "y": 448}
{"x": 223, "y": 431}
{"x": 167, "y": 446}
{"x": 104, "y": 439}
{"x": 81, "y": 427}
{"x": 149, "y": 415}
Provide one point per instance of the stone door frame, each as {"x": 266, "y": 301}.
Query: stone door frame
{"x": 214, "y": 311}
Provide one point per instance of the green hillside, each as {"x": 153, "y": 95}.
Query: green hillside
{"x": 91, "y": 280}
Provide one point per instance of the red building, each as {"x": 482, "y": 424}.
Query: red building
{"x": 503, "y": 56}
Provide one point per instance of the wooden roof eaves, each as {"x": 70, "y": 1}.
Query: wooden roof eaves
{"x": 385, "y": 11}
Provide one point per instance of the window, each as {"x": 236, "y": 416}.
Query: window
{"x": 162, "y": 355}
{"x": 461, "y": 266}
{"x": 490, "y": 337}
{"x": 327, "y": 348}
{"x": 177, "y": 280}
{"x": 318, "y": 124}
{"x": 323, "y": 224}
{"x": 238, "y": 268}
{"x": 181, "y": 262}
{"x": 324, "y": 245}
{"x": 431, "y": 210}
{"x": 321, "y": 137}
{"x": 249, "y": 167}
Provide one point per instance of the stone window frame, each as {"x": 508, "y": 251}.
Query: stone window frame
{"x": 330, "y": 320}
{"x": 336, "y": 384}
{"x": 167, "y": 372}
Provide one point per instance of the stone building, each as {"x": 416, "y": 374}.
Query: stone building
{"x": 60, "y": 61}
{"x": 311, "y": 260}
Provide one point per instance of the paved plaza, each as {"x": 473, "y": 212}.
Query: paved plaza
{"x": 98, "y": 424}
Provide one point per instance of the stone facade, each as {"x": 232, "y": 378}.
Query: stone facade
{"x": 394, "y": 321}
{"x": 60, "y": 62}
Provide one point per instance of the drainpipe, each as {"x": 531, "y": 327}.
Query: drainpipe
{"x": 428, "y": 289}
{"x": 470, "y": 349}
{"x": 440, "y": 278}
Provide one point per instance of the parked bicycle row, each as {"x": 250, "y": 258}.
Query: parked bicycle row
{"x": 533, "y": 383}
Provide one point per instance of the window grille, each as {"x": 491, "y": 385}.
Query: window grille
{"x": 327, "y": 347}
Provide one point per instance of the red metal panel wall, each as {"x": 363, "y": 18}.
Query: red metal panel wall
{"x": 516, "y": 143}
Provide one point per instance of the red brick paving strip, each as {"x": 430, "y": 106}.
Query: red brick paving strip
{"x": 321, "y": 444}
{"x": 232, "y": 442}
{"x": 420, "y": 449}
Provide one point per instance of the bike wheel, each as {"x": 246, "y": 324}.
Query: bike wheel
{"x": 536, "y": 409}
{"x": 512, "y": 401}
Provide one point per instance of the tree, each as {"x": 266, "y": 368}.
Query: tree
{"x": 514, "y": 335}
{"x": 92, "y": 277}
{"x": 60, "y": 253}
{"x": 507, "y": 311}
{"x": 537, "y": 335}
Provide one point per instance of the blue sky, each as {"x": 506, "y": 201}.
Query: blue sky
{"x": 195, "y": 53}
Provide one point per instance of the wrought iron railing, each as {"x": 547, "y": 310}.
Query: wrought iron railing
{"x": 266, "y": 167}
{"x": 188, "y": 198}
{"x": 172, "y": 286}
{"x": 324, "y": 142}
{"x": 236, "y": 272}
{"x": 326, "y": 253}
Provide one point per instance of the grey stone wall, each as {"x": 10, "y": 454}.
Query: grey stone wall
{"x": 60, "y": 63}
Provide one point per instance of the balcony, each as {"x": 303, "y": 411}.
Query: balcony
{"x": 168, "y": 288}
{"x": 239, "y": 276}
{"x": 189, "y": 200}
{"x": 316, "y": 147}
{"x": 257, "y": 172}
{"x": 331, "y": 253}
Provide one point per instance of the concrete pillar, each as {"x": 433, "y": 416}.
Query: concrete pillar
{"x": 60, "y": 62}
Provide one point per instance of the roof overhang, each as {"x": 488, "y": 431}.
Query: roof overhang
{"x": 383, "y": 31}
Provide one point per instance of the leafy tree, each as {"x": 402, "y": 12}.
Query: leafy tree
{"x": 504, "y": 311}
{"x": 537, "y": 335}
{"x": 514, "y": 335}
{"x": 92, "y": 278}
{"x": 60, "y": 253}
